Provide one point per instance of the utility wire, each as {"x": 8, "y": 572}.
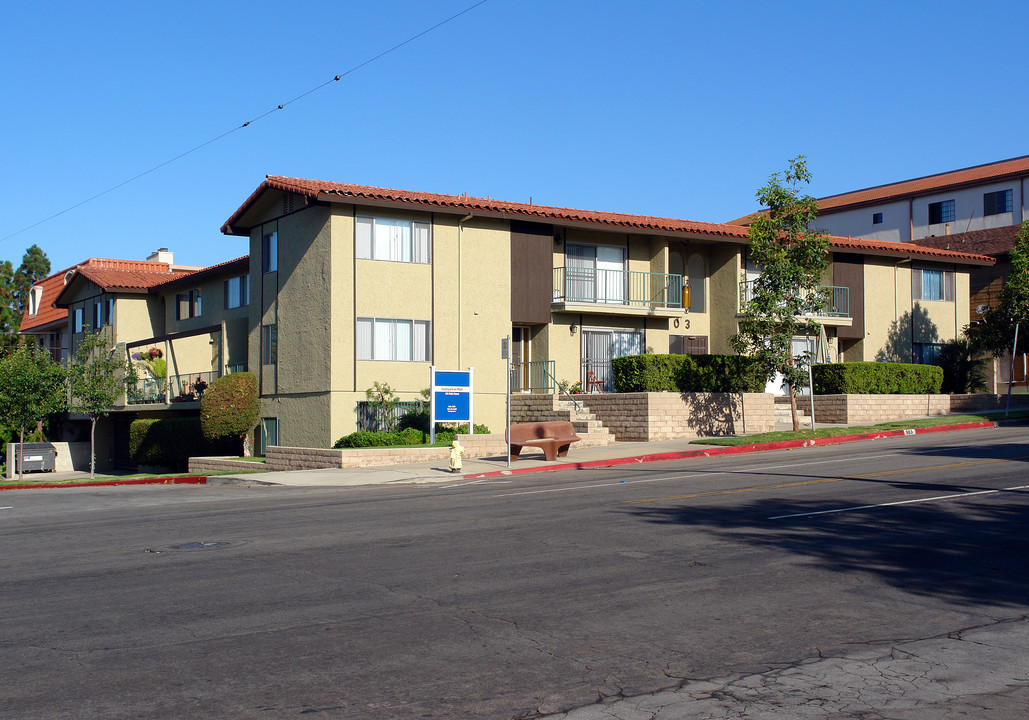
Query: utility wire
{"x": 262, "y": 116}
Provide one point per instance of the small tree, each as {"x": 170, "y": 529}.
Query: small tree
{"x": 996, "y": 332}
{"x": 35, "y": 266}
{"x": 792, "y": 260}
{"x": 384, "y": 400}
{"x": 32, "y": 386}
{"x": 230, "y": 408}
{"x": 95, "y": 379}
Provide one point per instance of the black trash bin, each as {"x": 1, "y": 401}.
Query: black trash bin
{"x": 37, "y": 457}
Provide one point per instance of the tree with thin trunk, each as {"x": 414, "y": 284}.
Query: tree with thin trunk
{"x": 32, "y": 386}
{"x": 783, "y": 299}
{"x": 35, "y": 266}
{"x": 95, "y": 379}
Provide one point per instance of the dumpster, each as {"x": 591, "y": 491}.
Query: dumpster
{"x": 37, "y": 456}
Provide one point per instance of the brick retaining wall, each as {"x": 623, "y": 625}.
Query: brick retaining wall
{"x": 871, "y": 409}
{"x": 645, "y": 417}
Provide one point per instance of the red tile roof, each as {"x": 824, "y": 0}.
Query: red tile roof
{"x": 47, "y": 313}
{"x": 317, "y": 188}
{"x": 991, "y": 241}
{"x": 240, "y": 264}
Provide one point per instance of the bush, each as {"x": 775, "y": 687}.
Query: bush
{"x": 686, "y": 373}
{"x": 867, "y": 378}
{"x": 418, "y": 419}
{"x": 230, "y": 407}
{"x": 962, "y": 370}
{"x": 170, "y": 442}
{"x": 410, "y": 436}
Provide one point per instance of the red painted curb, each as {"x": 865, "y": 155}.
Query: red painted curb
{"x": 185, "y": 480}
{"x": 715, "y": 450}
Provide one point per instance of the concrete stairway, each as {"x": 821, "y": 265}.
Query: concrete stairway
{"x": 783, "y": 417}
{"x": 543, "y": 408}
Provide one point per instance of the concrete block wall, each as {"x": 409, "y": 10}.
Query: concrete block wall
{"x": 871, "y": 409}
{"x": 290, "y": 458}
{"x": 645, "y": 417}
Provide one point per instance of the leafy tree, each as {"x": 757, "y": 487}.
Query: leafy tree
{"x": 995, "y": 333}
{"x": 31, "y": 387}
{"x": 384, "y": 400}
{"x": 962, "y": 368}
{"x": 793, "y": 259}
{"x": 94, "y": 377}
{"x": 230, "y": 408}
{"x": 35, "y": 266}
{"x": 10, "y": 318}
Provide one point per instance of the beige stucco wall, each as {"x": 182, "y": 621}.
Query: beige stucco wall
{"x": 723, "y": 300}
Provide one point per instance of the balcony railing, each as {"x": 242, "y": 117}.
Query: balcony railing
{"x": 177, "y": 388}
{"x": 836, "y": 299}
{"x": 533, "y": 377}
{"x": 617, "y": 287}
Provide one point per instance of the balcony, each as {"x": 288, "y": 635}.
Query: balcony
{"x": 177, "y": 388}
{"x": 622, "y": 292}
{"x": 835, "y": 308}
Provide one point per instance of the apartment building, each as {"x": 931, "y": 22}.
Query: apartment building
{"x": 353, "y": 284}
{"x": 959, "y": 201}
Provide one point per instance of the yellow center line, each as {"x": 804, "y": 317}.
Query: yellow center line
{"x": 778, "y": 486}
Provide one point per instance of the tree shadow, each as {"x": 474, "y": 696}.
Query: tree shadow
{"x": 967, "y": 551}
{"x": 713, "y": 413}
{"x": 912, "y": 327}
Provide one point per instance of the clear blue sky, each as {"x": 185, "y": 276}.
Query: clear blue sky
{"x": 676, "y": 109}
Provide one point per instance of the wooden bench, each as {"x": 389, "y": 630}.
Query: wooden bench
{"x": 553, "y": 437}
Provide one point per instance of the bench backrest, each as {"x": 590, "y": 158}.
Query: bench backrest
{"x": 537, "y": 430}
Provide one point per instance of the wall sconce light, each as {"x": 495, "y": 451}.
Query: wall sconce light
{"x": 572, "y": 329}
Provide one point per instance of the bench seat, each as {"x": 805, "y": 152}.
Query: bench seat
{"x": 553, "y": 438}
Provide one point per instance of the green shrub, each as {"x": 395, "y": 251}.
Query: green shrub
{"x": 962, "y": 369}
{"x": 230, "y": 408}
{"x": 445, "y": 434}
{"x": 872, "y": 378}
{"x": 647, "y": 373}
{"x": 170, "y": 442}
{"x": 418, "y": 419}
{"x": 686, "y": 373}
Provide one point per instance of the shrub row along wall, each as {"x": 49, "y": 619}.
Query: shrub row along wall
{"x": 648, "y": 416}
{"x": 867, "y": 409}
{"x": 289, "y": 458}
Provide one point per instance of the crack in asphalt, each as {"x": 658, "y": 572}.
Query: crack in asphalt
{"x": 964, "y": 670}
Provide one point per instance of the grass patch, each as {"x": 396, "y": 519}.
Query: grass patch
{"x": 36, "y": 479}
{"x": 830, "y": 432}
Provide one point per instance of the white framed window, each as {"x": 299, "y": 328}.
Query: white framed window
{"x": 188, "y": 304}
{"x": 79, "y": 318}
{"x": 932, "y": 284}
{"x": 395, "y": 240}
{"x": 270, "y": 251}
{"x": 109, "y": 311}
{"x": 35, "y": 296}
{"x": 393, "y": 339}
{"x": 98, "y": 316}
{"x": 237, "y": 292}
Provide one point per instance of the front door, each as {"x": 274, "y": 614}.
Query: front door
{"x": 521, "y": 380}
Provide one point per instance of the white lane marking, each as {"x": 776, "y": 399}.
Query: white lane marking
{"x": 902, "y": 502}
{"x": 735, "y": 471}
{"x": 8, "y": 507}
{"x": 481, "y": 481}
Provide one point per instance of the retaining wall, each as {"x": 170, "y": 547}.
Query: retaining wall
{"x": 645, "y": 417}
{"x": 870, "y": 409}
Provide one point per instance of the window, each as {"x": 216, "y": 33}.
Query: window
{"x": 187, "y": 304}
{"x": 396, "y": 240}
{"x": 269, "y": 434}
{"x": 687, "y": 344}
{"x": 237, "y": 292}
{"x": 269, "y": 344}
{"x": 941, "y": 212}
{"x": 932, "y": 284}
{"x": 109, "y": 311}
{"x": 98, "y": 318}
{"x": 79, "y": 318}
{"x": 595, "y": 274}
{"x": 925, "y": 353}
{"x": 995, "y": 203}
{"x": 270, "y": 251}
{"x": 877, "y": 218}
{"x": 389, "y": 339}
{"x": 695, "y": 268}
{"x": 35, "y": 295}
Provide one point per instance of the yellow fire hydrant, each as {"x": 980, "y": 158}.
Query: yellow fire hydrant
{"x": 456, "y": 451}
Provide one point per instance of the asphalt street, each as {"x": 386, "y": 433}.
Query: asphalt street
{"x": 783, "y": 584}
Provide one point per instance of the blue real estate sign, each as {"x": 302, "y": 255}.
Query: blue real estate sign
{"x": 451, "y": 396}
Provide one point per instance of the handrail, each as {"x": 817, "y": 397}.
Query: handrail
{"x": 561, "y": 389}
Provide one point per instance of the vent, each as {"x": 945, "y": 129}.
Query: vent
{"x": 288, "y": 203}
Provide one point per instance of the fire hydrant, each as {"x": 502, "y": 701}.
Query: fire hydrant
{"x": 456, "y": 451}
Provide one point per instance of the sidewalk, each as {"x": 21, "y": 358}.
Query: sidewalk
{"x": 620, "y": 453}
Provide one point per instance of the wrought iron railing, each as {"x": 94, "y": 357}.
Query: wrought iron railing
{"x": 617, "y": 287}
{"x": 533, "y": 377}
{"x": 188, "y": 387}
{"x": 373, "y": 419}
{"x": 835, "y": 299}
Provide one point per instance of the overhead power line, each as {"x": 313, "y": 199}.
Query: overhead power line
{"x": 249, "y": 122}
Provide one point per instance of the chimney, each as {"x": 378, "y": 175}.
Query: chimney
{"x": 161, "y": 255}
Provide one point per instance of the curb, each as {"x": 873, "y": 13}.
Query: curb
{"x": 185, "y": 480}
{"x": 716, "y": 450}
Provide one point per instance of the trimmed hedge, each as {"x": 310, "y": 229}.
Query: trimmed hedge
{"x": 231, "y": 406}
{"x": 170, "y": 442}
{"x": 409, "y": 436}
{"x": 686, "y": 373}
{"x": 873, "y": 378}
